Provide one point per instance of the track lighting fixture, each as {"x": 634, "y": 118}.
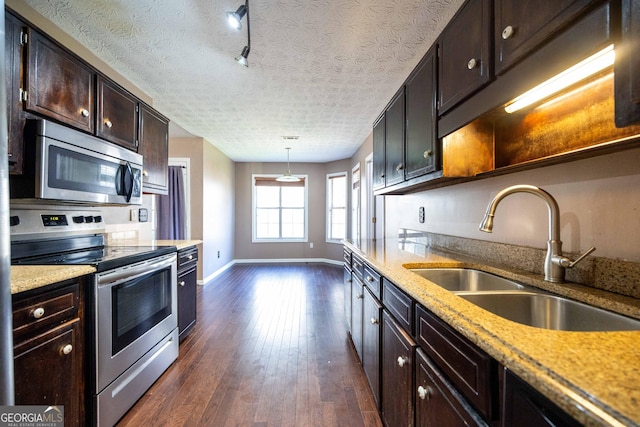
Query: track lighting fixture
{"x": 234, "y": 19}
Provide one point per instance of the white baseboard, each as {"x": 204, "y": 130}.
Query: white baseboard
{"x": 221, "y": 270}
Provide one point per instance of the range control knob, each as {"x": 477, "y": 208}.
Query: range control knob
{"x": 88, "y": 219}
{"x": 78, "y": 219}
{"x": 97, "y": 218}
{"x": 14, "y": 220}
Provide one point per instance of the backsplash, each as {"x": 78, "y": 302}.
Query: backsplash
{"x": 613, "y": 275}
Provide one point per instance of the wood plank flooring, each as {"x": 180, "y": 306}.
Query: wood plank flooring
{"x": 269, "y": 349}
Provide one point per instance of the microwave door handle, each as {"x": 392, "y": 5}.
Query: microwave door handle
{"x": 128, "y": 181}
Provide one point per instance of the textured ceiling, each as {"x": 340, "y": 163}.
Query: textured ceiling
{"x": 319, "y": 69}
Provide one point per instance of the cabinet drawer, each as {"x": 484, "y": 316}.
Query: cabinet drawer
{"x": 470, "y": 369}
{"x": 45, "y": 310}
{"x": 357, "y": 266}
{"x": 437, "y": 401}
{"x": 399, "y": 304}
{"x": 187, "y": 258}
{"x": 372, "y": 280}
{"x": 346, "y": 255}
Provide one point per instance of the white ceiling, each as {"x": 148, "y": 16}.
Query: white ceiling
{"x": 319, "y": 69}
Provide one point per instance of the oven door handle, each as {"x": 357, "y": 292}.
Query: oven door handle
{"x": 132, "y": 272}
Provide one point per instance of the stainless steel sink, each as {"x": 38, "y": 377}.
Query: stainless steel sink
{"x": 550, "y": 312}
{"x": 467, "y": 279}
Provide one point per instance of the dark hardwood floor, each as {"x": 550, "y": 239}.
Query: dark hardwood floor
{"x": 270, "y": 348}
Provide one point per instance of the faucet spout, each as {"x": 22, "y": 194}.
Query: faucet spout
{"x": 553, "y": 271}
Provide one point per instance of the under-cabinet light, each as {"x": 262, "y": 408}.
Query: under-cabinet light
{"x": 588, "y": 67}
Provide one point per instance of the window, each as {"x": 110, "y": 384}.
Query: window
{"x": 336, "y": 207}
{"x": 279, "y": 209}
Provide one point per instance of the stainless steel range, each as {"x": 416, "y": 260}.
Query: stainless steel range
{"x": 131, "y": 306}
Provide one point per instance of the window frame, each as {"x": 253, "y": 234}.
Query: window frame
{"x": 254, "y": 216}
{"x": 328, "y": 206}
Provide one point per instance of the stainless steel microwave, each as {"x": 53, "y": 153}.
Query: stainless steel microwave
{"x": 63, "y": 164}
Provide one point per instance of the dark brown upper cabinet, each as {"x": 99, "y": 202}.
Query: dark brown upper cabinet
{"x": 117, "y": 114}
{"x": 14, "y": 76}
{"x": 60, "y": 86}
{"x": 394, "y": 140}
{"x": 521, "y": 26}
{"x": 154, "y": 147}
{"x": 422, "y": 152}
{"x": 627, "y": 66}
{"x": 465, "y": 54}
{"x": 378, "y": 153}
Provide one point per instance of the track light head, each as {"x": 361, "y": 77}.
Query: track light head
{"x": 235, "y": 18}
{"x": 242, "y": 59}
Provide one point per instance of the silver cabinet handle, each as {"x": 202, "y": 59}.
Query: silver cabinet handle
{"x": 374, "y": 321}
{"x": 402, "y": 360}
{"x": 507, "y": 32}
{"x": 427, "y": 154}
{"x": 399, "y": 168}
{"x": 108, "y": 124}
{"x": 425, "y": 393}
{"x": 360, "y": 296}
{"x": 84, "y": 112}
{"x": 189, "y": 257}
{"x": 473, "y": 63}
{"x": 37, "y": 313}
{"x": 66, "y": 349}
{"x": 369, "y": 279}
{"x": 181, "y": 283}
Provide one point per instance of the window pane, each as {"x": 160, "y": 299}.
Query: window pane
{"x": 292, "y": 197}
{"x": 267, "y": 223}
{"x": 338, "y": 191}
{"x": 267, "y": 197}
{"x": 292, "y": 223}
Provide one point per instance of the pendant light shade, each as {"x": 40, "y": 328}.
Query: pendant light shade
{"x": 287, "y": 177}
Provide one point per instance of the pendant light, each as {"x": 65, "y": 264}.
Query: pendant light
{"x": 287, "y": 177}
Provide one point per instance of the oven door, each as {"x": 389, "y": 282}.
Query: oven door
{"x": 135, "y": 308}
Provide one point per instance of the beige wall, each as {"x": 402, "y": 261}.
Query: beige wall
{"x": 246, "y": 250}
{"x": 212, "y": 182}
{"x": 599, "y": 201}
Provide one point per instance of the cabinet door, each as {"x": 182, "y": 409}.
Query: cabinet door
{"x": 59, "y": 85}
{"x": 372, "y": 315}
{"x": 394, "y": 140}
{"x": 465, "y": 53}
{"x": 154, "y": 147}
{"x": 523, "y": 25}
{"x": 627, "y": 66}
{"x": 437, "y": 402}
{"x": 525, "y": 407}
{"x": 421, "y": 115}
{"x": 14, "y": 76}
{"x": 397, "y": 374}
{"x": 347, "y": 297}
{"x": 48, "y": 371}
{"x": 378, "y": 153}
{"x": 117, "y": 115}
{"x": 357, "y": 297}
{"x": 187, "y": 301}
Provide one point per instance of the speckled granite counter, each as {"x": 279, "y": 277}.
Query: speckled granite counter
{"x": 25, "y": 278}
{"x": 594, "y": 376}
{"x": 179, "y": 244}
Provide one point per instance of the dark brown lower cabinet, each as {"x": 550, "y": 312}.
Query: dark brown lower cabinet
{"x": 398, "y": 351}
{"x": 357, "y": 296}
{"x": 48, "y": 349}
{"x": 187, "y": 290}
{"x": 372, "y": 314}
{"x": 437, "y": 402}
{"x": 525, "y": 407}
{"x": 347, "y": 297}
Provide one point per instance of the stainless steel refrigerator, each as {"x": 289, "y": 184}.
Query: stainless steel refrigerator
{"x": 6, "y": 329}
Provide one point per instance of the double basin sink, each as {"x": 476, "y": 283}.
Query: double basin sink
{"x": 525, "y": 304}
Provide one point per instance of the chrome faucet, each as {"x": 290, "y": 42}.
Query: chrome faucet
{"x": 554, "y": 263}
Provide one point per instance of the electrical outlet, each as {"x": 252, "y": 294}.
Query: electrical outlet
{"x": 143, "y": 215}
{"x": 311, "y": 245}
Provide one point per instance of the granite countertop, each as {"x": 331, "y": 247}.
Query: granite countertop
{"x": 593, "y": 376}
{"x": 27, "y": 277}
{"x": 179, "y": 244}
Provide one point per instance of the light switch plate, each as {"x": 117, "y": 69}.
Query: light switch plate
{"x": 143, "y": 215}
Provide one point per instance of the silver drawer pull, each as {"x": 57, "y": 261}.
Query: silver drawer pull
{"x": 374, "y": 321}
{"x": 67, "y": 349}
{"x": 425, "y": 393}
{"x": 181, "y": 283}
{"x": 507, "y": 32}
{"x": 84, "y": 112}
{"x": 473, "y": 63}
{"x": 37, "y": 313}
{"x": 402, "y": 360}
{"x": 189, "y": 257}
